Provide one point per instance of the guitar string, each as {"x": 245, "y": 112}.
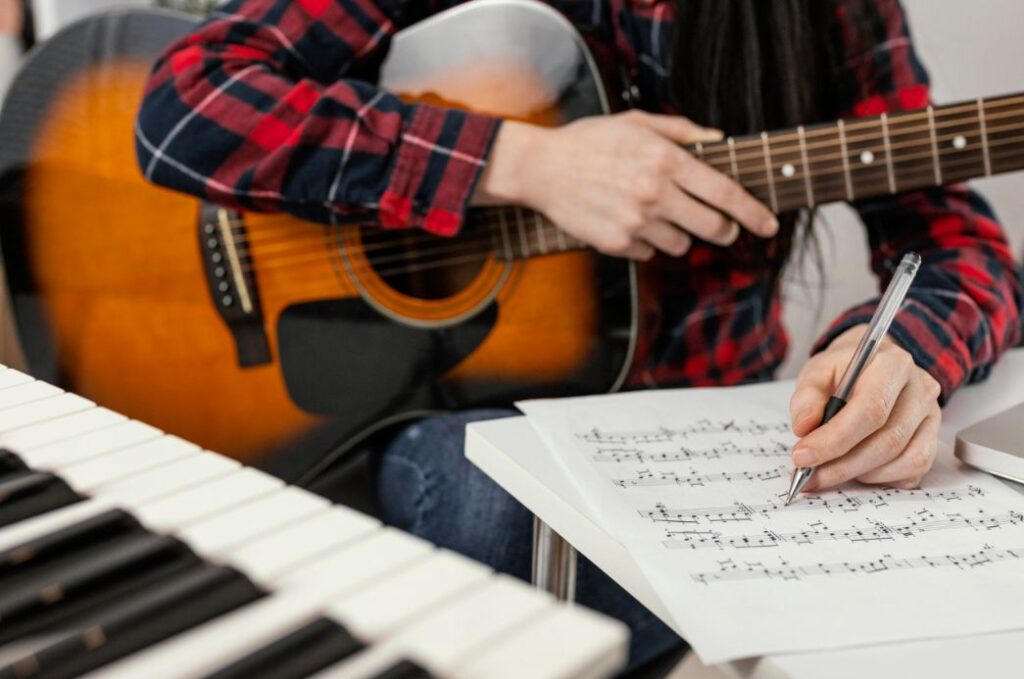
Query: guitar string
{"x": 795, "y": 188}
{"x": 268, "y": 259}
{"x": 821, "y": 173}
{"x": 853, "y": 140}
{"x": 480, "y": 255}
{"x": 873, "y": 127}
{"x": 857, "y": 124}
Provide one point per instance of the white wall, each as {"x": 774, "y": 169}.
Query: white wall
{"x": 972, "y": 48}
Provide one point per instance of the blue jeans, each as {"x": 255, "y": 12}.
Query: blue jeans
{"x": 427, "y": 487}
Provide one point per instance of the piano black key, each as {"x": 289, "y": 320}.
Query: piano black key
{"x": 404, "y": 670}
{"x": 79, "y": 610}
{"x": 136, "y": 622}
{"x": 27, "y": 494}
{"x": 31, "y": 593}
{"x": 308, "y": 649}
{"x": 10, "y": 463}
{"x": 88, "y": 533}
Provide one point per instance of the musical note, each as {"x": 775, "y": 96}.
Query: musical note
{"x": 839, "y": 501}
{"x": 648, "y": 478}
{"x": 691, "y": 483}
{"x": 818, "y": 531}
{"x": 730, "y": 571}
{"x": 701, "y": 426}
{"x": 726, "y": 449}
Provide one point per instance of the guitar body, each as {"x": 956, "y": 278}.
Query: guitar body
{"x": 256, "y": 334}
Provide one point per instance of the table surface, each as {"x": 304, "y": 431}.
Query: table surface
{"x": 510, "y": 452}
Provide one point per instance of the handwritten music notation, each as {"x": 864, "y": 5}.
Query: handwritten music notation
{"x": 769, "y": 449}
{"x": 703, "y": 426}
{"x": 694, "y": 478}
{"x": 874, "y": 531}
{"x": 730, "y": 571}
{"x": 692, "y": 483}
{"x": 839, "y": 501}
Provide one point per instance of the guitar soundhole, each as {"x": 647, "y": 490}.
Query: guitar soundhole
{"x": 424, "y": 266}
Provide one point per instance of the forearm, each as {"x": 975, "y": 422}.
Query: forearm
{"x": 248, "y": 112}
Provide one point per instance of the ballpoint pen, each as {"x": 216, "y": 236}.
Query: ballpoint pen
{"x": 891, "y": 302}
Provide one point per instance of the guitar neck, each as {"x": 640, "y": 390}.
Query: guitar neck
{"x": 874, "y": 156}
{"x": 827, "y": 163}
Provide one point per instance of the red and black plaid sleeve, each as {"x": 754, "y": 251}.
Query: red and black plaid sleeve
{"x": 268, "y": 107}
{"x": 963, "y": 310}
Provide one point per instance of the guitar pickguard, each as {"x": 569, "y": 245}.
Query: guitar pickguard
{"x": 333, "y": 358}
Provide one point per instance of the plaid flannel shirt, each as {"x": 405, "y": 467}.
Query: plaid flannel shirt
{"x": 270, "y": 105}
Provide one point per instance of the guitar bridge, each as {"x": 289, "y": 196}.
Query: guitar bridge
{"x": 232, "y": 286}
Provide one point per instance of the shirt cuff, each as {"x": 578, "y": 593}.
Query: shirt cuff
{"x": 440, "y": 158}
{"x": 917, "y": 330}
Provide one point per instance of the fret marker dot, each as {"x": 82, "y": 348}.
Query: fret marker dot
{"x": 867, "y": 157}
{"x": 788, "y": 170}
{"x": 960, "y": 142}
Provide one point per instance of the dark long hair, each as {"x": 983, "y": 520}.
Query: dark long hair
{"x": 746, "y": 66}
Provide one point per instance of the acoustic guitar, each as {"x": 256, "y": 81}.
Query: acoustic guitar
{"x": 252, "y": 334}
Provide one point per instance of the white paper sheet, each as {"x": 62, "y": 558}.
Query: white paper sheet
{"x": 692, "y": 482}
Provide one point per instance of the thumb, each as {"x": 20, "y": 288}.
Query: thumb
{"x": 680, "y": 129}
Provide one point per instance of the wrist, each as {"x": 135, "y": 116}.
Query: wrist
{"x": 506, "y": 179}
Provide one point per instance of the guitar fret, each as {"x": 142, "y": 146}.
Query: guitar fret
{"x": 935, "y": 146}
{"x": 984, "y": 137}
{"x": 732, "y": 159}
{"x": 888, "y": 153}
{"x": 560, "y": 237}
{"x": 807, "y": 166}
{"x": 539, "y": 226}
{"x": 700, "y": 151}
{"x": 846, "y": 160}
{"x": 768, "y": 171}
{"x": 506, "y": 241}
{"x": 524, "y": 243}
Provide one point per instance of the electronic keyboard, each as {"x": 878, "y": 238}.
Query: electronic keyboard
{"x": 127, "y": 552}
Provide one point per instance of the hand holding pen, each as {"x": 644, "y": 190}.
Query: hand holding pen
{"x": 863, "y": 408}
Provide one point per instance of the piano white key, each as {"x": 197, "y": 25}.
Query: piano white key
{"x": 180, "y": 474}
{"x": 129, "y": 494}
{"x": 380, "y": 610}
{"x": 26, "y": 393}
{"x": 411, "y": 591}
{"x": 59, "y": 429}
{"x": 204, "y": 649}
{"x": 356, "y": 564}
{"x": 180, "y": 509}
{"x": 87, "y": 475}
{"x": 266, "y": 558}
{"x": 251, "y": 520}
{"x": 89, "y": 445}
{"x": 443, "y": 640}
{"x": 12, "y": 378}
{"x": 565, "y": 643}
{"x": 40, "y": 411}
{"x": 38, "y": 526}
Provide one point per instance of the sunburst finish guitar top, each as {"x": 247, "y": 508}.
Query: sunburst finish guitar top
{"x": 252, "y": 334}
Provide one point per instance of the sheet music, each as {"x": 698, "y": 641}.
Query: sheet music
{"x": 692, "y": 482}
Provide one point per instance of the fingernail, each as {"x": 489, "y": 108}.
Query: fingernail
{"x": 713, "y": 134}
{"x": 804, "y": 457}
{"x": 771, "y": 227}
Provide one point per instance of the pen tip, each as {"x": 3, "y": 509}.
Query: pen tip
{"x": 789, "y": 498}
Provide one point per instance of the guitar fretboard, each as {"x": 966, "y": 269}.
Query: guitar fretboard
{"x": 868, "y": 157}
{"x": 842, "y": 161}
